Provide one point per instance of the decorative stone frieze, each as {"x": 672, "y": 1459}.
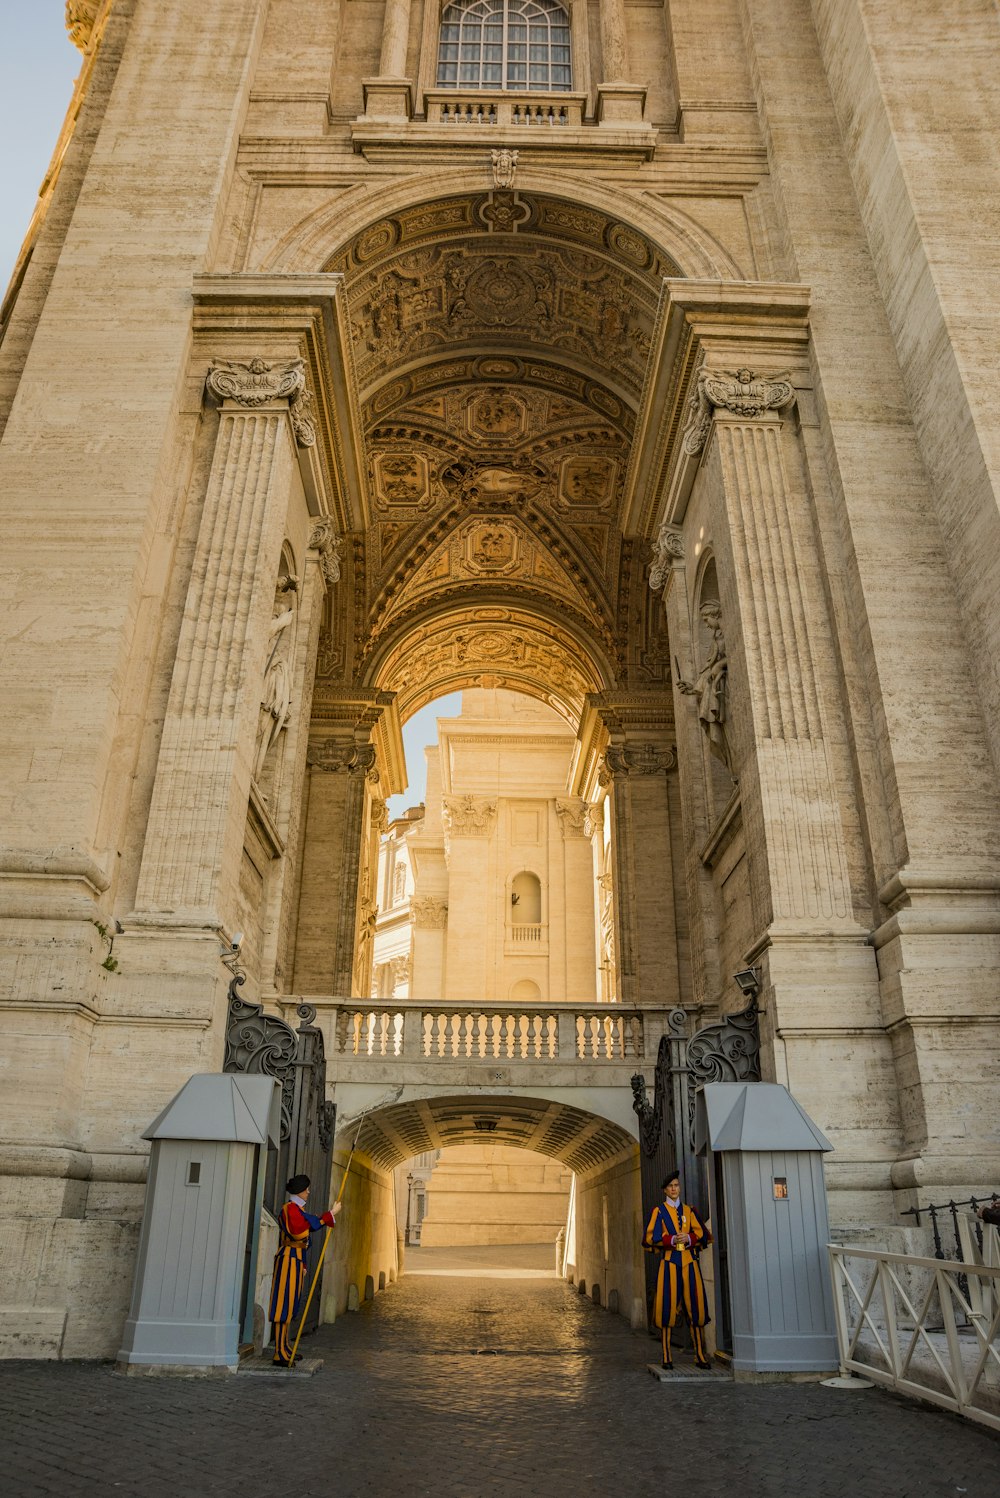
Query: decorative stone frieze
{"x": 668, "y": 549}
{"x": 741, "y": 392}
{"x": 622, "y": 761}
{"x": 325, "y": 540}
{"x": 80, "y": 18}
{"x": 429, "y": 913}
{"x": 337, "y": 758}
{"x": 572, "y": 816}
{"x": 469, "y": 816}
{"x": 255, "y": 383}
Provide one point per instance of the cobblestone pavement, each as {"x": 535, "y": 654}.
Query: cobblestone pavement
{"x": 461, "y": 1387}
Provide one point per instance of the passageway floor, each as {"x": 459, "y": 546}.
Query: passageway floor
{"x": 460, "y": 1386}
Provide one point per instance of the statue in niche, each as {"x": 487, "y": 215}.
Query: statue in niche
{"x": 711, "y": 687}
{"x": 276, "y": 694}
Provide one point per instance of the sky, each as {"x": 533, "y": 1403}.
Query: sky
{"x": 38, "y": 64}
{"x": 418, "y": 732}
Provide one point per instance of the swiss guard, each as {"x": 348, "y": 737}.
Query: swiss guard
{"x": 675, "y": 1232}
{"x": 289, "y": 1273}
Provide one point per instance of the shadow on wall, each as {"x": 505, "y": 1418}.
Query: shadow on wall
{"x": 604, "y": 1254}
{"x": 362, "y": 1256}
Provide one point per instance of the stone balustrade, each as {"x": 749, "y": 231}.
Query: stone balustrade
{"x": 455, "y": 1032}
{"x": 476, "y": 107}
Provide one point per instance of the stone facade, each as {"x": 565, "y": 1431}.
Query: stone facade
{"x": 325, "y": 390}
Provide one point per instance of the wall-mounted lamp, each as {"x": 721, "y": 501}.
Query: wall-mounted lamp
{"x": 747, "y": 980}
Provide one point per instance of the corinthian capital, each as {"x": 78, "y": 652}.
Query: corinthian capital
{"x": 256, "y": 383}
{"x": 622, "y": 761}
{"x": 337, "y": 758}
{"x": 428, "y": 913}
{"x": 468, "y": 816}
{"x": 738, "y": 391}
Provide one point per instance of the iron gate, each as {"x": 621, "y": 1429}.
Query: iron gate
{"x": 260, "y": 1043}
{"x": 728, "y": 1051}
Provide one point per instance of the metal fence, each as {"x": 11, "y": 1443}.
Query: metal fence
{"x": 924, "y": 1327}
{"x": 945, "y": 1220}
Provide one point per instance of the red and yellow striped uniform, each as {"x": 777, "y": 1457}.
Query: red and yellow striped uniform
{"x": 679, "y": 1284}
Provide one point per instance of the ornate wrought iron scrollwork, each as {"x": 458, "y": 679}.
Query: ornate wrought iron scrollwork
{"x": 728, "y": 1051}
{"x": 258, "y": 1042}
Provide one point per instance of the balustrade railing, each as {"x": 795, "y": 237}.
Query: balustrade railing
{"x": 460, "y": 1032}
{"x": 453, "y": 107}
{"x": 526, "y": 934}
{"x": 929, "y": 1328}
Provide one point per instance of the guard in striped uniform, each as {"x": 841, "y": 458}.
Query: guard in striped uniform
{"x": 288, "y": 1278}
{"x": 675, "y": 1232}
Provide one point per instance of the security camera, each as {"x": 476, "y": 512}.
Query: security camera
{"x": 237, "y": 941}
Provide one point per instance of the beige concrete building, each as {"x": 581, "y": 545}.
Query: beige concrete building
{"x": 637, "y": 355}
{"x": 503, "y": 858}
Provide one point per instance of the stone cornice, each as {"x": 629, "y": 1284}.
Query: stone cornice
{"x": 276, "y": 317}
{"x": 715, "y": 330}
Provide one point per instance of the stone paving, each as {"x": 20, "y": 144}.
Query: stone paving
{"x": 458, "y": 1387}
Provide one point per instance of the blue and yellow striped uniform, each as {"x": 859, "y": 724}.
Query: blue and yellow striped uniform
{"x": 679, "y": 1282}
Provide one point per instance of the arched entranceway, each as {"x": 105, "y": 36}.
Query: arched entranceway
{"x": 601, "y": 1253}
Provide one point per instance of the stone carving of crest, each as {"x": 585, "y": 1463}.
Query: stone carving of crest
{"x": 256, "y": 383}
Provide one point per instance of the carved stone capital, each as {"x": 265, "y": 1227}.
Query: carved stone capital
{"x": 303, "y": 416}
{"x": 380, "y": 815}
{"x": 337, "y": 758}
{"x": 325, "y": 540}
{"x": 667, "y": 549}
{"x": 468, "y": 816}
{"x": 572, "y": 816}
{"x": 593, "y": 821}
{"x": 741, "y": 392}
{"x": 80, "y": 18}
{"x": 623, "y": 761}
{"x": 256, "y": 383}
{"x": 429, "y": 913}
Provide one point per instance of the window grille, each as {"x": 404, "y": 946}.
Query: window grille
{"x": 505, "y": 44}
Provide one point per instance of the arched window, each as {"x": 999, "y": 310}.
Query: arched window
{"x": 525, "y": 900}
{"x": 505, "y": 44}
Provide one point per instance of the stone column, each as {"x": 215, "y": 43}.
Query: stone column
{"x": 619, "y": 102}
{"x": 614, "y": 42}
{"x": 696, "y": 817}
{"x": 198, "y": 814}
{"x": 821, "y": 1009}
{"x": 579, "y": 976}
{"x": 389, "y": 96}
{"x": 635, "y": 768}
{"x": 341, "y": 769}
{"x": 471, "y": 969}
{"x": 395, "y": 39}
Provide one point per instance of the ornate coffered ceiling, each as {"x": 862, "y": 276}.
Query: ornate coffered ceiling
{"x": 501, "y": 344}
{"x": 583, "y": 1141}
{"x": 492, "y": 646}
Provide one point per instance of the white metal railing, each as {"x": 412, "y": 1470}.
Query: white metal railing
{"x": 526, "y": 934}
{"x": 537, "y": 111}
{"x": 458, "y": 1032}
{"x": 928, "y": 1328}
